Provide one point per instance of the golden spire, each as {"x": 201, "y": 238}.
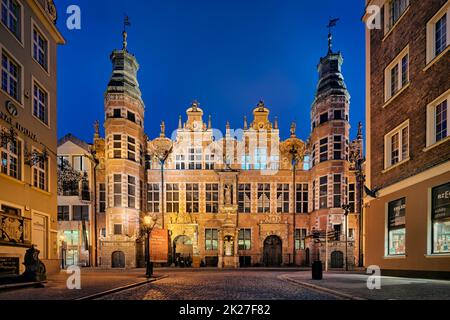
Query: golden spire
{"x": 210, "y": 122}
{"x": 293, "y": 129}
{"x": 163, "y": 130}
{"x": 126, "y": 23}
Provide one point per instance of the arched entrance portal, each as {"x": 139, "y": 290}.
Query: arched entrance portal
{"x": 183, "y": 251}
{"x": 118, "y": 259}
{"x": 337, "y": 259}
{"x": 273, "y": 249}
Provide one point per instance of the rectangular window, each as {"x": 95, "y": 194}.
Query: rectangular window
{"x": 397, "y": 145}
{"x": 263, "y": 198}
{"x": 11, "y": 17}
{"x": 11, "y": 158}
{"x": 302, "y": 198}
{"x": 40, "y": 103}
{"x": 195, "y": 158}
{"x": 337, "y": 191}
{"x": 180, "y": 162}
{"x": 211, "y": 239}
{"x": 131, "y": 116}
{"x": 118, "y": 229}
{"x": 324, "y": 150}
{"x": 338, "y": 115}
{"x": 397, "y": 227}
{"x": 314, "y": 193}
{"x": 131, "y": 149}
{"x": 245, "y": 239}
{"x": 442, "y": 118}
{"x": 117, "y": 190}
{"x": 153, "y": 197}
{"x": 337, "y": 148}
{"x": 117, "y": 113}
{"x": 300, "y": 236}
{"x": 40, "y": 174}
{"x": 102, "y": 198}
{"x": 80, "y": 163}
{"x": 172, "y": 197}
{"x": 313, "y": 155}
{"x": 441, "y": 219}
{"x": 396, "y": 8}
{"x": 63, "y": 213}
{"x": 441, "y": 35}
{"x": 283, "y": 198}
{"x": 244, "y": 198}
{"x": 260, "y": 159}
{"x": 323, "y": 195}
{"x": 72, "y": 237}
{"x": 323, "y": 118}
{"x": 117, "y": 146}
{"x": 352, "y": 196}
{"x": 397, "y": 74}
{"x": 212, "y": 198}
{"x": 246, "y": 165}
{"x": 11, "y": 77}
{"x": 209, "y": 161}
{"x": 40, "y": 49}
{"x": 80, "y": 213}
{"x": 131, "y": 192}
{"x": 192, "y": 198}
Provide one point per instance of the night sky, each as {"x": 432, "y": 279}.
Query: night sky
{"x": 227, "y": 54}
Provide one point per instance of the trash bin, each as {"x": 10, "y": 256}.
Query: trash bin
{"x": 149, "y": 269}
{"x": 317, "y": 270}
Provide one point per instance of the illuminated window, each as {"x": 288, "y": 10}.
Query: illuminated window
{"x": 300, "y": 236}
{"x": 11, "y": 158}
{"x": 283, "y": 198}
{"x": 441, "y": 219}
{"x": 117, "y": 146}
{"x": 211, "y": 239}
{"x": 397, "y": 227}
{"x": 153, "y": 197}
{"x": 323, "y": 195}
{"x": 263, "y": 198}
{"x": 40, "y": 173}
{"x": 131, "y": 149}
{"x": 192, "y": 198}
{"x": 117, "y": 190}
{"x": 212, "y": 198}
{"x": 245, "y": 239}
{"x": 131, "y": 192}
{"x": 244, "y": 198}
{"x": 172, "y": 197}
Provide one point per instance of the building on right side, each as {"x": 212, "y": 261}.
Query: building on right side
{"x": 407, "y": 224}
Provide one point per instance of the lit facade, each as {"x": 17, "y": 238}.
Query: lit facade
{"x": 229, "y": 199}
{"x": 407, "y": 227}
{"x": 28, "y": 137}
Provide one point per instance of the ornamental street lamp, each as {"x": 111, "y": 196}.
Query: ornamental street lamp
{"x": 296, "y": 149}
{"x": 161, "y": 149}
{"x": 148, "y": 226}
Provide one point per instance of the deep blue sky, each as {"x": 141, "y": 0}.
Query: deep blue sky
{"x": 228, "y": 54}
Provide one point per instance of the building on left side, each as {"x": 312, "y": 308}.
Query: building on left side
{"x": 28, "y": 176}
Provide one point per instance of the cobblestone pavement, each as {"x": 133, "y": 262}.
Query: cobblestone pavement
{"x": 392, "y": 288}
{"x": 92, "y": 282}
{"x": 222, "y": 285}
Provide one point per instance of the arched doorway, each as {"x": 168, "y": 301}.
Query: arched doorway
{"x": 273, "y": 249}
{"x": 337, "y": 259}
{"x": 183, "y": 251}
{"x": 118, "y": 259}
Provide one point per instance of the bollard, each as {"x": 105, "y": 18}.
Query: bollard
{"x": 317, "y": 270}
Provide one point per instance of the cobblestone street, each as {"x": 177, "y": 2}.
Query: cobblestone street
{"x": 222, "y": 285}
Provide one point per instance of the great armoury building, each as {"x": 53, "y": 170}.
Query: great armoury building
{"x": 228, "y": 200}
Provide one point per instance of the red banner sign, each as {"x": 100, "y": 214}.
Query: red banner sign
{"x": 159, "y": 246}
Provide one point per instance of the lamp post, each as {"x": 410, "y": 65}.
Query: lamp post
{"x": 294, "y": 154}
{"x": 149, "y": 225}
{"x": 161, "y": 149}
{"x": 346, "y": 208}
{"x": 93, "y": 157}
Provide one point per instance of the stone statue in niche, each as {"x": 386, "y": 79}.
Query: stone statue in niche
{"x": 228, "y": 190}
{"x": 228, "y": 243}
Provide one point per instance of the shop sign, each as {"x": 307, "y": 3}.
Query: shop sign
{"x": 441, "y": 202}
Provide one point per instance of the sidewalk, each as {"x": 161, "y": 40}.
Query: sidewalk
{"x": 354, "y": 285}
{"x": 92, "y": 282}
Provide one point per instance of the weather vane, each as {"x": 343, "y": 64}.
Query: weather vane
{"x": 332, "y": 23}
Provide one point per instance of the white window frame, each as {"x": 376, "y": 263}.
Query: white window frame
{"x": 114, "y": 148}
{"x": 209, "y": 161}
{"x": 212, "y": 192}
{"x": 40, "y": 171}
{"x": 431, "y": 120}
{"x": 396, "y": 62}
{"x": 132, "y": 192}
{"x": 153, "y": 189}
{"x": 388, "y": 146}
{"x": 18, "y": 157}
{"x": 35, "y": 27}
{"x": 132, "y": 148}
{"x": 19, "y": 37}
{"x": 388, "y": 25}
{"x": 115, "y": 193}
{"x": 20, "y": 81}
{"x": 195, "y": 155}
{"x": 431, "y": 34}
{"x": 281, "y": 202}
{"x": 260, "y": 162}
